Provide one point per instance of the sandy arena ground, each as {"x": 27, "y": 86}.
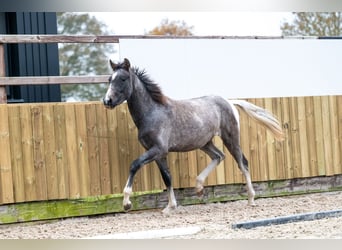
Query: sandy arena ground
{"x": 215, "y": 221}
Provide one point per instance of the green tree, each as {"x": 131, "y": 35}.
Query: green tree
{"x": 169, "y": 28}
{"x": 83, "y": 59}
{"x": 313, "y": 24}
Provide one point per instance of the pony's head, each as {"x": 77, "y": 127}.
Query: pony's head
{"x": 120, "y": 84}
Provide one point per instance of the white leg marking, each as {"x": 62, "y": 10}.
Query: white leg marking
{"x": 199, "y": 184}
{"x": 126, "y": 202}
{"x": 204, "y": 174}
{"x": 172, "y": 202}
{"x": 250, "y": 189}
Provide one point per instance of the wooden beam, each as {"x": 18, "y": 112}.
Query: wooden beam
{"x": 116, "y": 38}
{"x": 6, "y": 179}
{"x": 35, "y": 80}
{"x": 58, "y": 39}
{"x": 103, "y": 204}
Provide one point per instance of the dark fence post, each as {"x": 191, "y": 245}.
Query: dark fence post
{"x": 3, "y": 95}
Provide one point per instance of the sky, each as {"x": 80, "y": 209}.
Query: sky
{"x": 204, "y": 23}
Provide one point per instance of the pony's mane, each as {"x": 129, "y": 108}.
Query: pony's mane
{"x": 152, "y": 88}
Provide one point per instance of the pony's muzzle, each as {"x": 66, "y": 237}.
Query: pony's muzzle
{"x": 108, "y": 103}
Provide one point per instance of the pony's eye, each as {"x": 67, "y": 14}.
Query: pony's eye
{"x": 123, "y": 78}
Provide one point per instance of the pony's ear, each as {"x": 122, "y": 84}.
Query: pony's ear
{"x": 113, "y": 65}
{"x": 126, "y": 64}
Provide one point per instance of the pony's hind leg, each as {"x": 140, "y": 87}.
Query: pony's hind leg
{"x": 216, "y": 156}
{"x": 243, "y": 165}
{"x": 232, "y": 142}
{"x": 165, "y": 173}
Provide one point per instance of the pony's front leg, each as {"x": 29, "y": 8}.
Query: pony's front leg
{"x": 145, "y": 158}
{"x": 127, "y": 204}
{"x": 172, "y": 205}
{"x": 165, "y": 173}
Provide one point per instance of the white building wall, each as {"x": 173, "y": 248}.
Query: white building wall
{"x": 239, "y": 68}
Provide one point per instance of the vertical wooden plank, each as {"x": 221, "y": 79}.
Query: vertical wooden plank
{"x": 288, "y": 141}
{"x": 279, "y": 145}
{"x": 303, "y": 142}
{"x": 193, "y": 168}
{"x": 82, "y": 149}
{"x": 339, "y": 108}
{"x": 311, "y": 141}
{"x": 295, "y": 149}
{"x": 6, "y": 181}
{"x": 72, "y": 154}
{"x": 103, "y": 138}
{"x": 173, "y": 163}
{"x": 219, "y": 171}
{"x": 327, "y": 136}
{"x": 38, "y": 151}
{"x": 272, "y": 166}
{"x": 61, "y": 152}
{"x": 27, "y": 147}
{"x": 262, "y": 147}
{"x": 115, "y": 167}
{"x": 184, "y": 170}
{"x": 93, "y": 150}
{"x": 50, "y": 152}
{"x": 336, "y": 161}
{"x": 228, "y": 166}
{"x": 284, "y": 114}
{"x": 16, "y": 153}
{"x": 319, "y": 135}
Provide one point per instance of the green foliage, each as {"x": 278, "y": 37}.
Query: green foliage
{"x": 313, "y": 24}
{"x": 83, "y": 59}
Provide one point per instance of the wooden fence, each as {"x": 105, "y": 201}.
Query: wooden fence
{"x": 70, "y": 150}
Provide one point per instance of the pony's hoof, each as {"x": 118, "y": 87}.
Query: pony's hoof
{"x": 127, "y": 207}
{"x": 200, "y": 193}
{"x": 252, "y": 204}
{"x": 168, "y": 209}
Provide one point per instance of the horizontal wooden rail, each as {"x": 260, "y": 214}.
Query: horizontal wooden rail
{"x": 35, "y": 80}
{"x": 115, "y": 38}
{"x": 58, "y": 39}
{"x": 16, "y": 39}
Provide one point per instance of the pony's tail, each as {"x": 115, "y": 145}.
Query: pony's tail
{"x": 261, "y": 116}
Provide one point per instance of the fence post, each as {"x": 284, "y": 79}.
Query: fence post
{"x": 3, "y": 95}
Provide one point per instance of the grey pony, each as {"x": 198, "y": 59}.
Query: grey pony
{"x": 167, "y": 125}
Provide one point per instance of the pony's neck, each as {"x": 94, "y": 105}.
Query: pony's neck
{"x": 140, "y": 102}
